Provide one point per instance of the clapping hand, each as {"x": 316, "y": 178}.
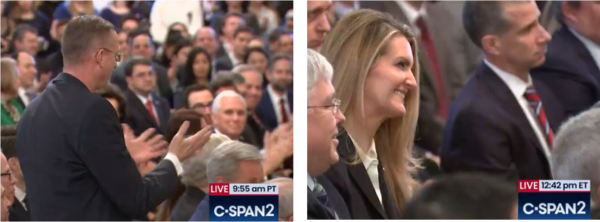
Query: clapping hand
{"x": 279, "y": 145}
{"x": 186, "y": 148}
{"x": 144, "y": 148}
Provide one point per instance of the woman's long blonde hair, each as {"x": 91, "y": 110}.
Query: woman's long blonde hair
{"x": 8, "y": 77}
{"x": 355, "y": 43}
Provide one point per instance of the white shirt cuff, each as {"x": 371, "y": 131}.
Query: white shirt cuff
{"x": 175, "y": 162}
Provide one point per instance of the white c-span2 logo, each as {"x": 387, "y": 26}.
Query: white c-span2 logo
{"x": 246, "y": 211}
{"x": 555, "y": 208}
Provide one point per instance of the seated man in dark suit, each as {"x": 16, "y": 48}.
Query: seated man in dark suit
{"x": 276, "y": 104}
{"x": 254, "y": 90}
{"x": 248, "y": 169}
{"x": 502, "y": 122}
{"x": 572, "y": 67}
{"x": 464, "y": 197}
{"x": 195, "y": 179}
{"x": 140, "y": 45}
{"x": 144, "y": 109}
{"x": 19, "y": 209}
{"x": 235, "y": 57}
{"x": 229, "y": 113}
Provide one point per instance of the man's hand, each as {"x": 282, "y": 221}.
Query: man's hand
{"x": 279, "y": 145}
{"x": 186, "y": 148}
{"x": 144, "y": 148}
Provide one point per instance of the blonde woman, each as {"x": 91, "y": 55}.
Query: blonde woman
{"x": 11, "y": 108}
{"x": 376, "y": 78}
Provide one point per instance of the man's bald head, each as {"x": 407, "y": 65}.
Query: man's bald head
{"x": 206, "y": 37}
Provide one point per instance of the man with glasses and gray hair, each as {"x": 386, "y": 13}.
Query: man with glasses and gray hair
{"x": 231, "y": 162}
{"x": 323, "y": 116}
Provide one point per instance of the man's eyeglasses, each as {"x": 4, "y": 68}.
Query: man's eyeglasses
{"x": 7, "y": 173}
{"x": 334, "y": 107}
{"x": 117, "y": 54}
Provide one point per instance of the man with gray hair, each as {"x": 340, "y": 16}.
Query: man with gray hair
{"x": 575, "y": 155}
{"x": 572, "y": 67}
{"x": 323, "y": 117}
{"x": 286, "y": 197}
{"x": 231, "y": 162}
{"x": 229, "y": 115}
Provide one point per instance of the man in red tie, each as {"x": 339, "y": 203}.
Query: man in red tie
{"x": 503, "y": 122}
{"x": 144, "y": 110}
{"x": 275, "y": 106}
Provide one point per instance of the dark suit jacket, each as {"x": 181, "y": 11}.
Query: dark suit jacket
{"x": 186, "y": 206}
{"x": 316, "y": 210}
{"x": 76, "y": 166}
{"x": 202, "y": 210}
{"x": 571, "y": 73}
{"x": 335, "y": 200}
{"x": 224, "y": 63}
{"x": 354, "y": 186}
{"x": 138, "y": 116}
{"x": 16, "y": 212}
{"x": 266, "y": 112}
{"x": 162, "y": 82}
{"x": 487, "y": 131}
{"x": 457, "y": 58}
{"x": 258, "y": 131}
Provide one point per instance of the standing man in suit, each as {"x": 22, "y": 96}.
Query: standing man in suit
{"x": 572, "y": 62}
{"x": 318, "y": 23}
{"x": 444, "y": 62}
{"x": 19, "y": 209}
{"x": 144, "y": 109}
{"x": 324, "y": 202}
{"x": 502, "y": 122}
{"x": 77, "y": 162}
{"x": 276, "y": 105}
{"x": 27, "y": 73}
{"x": 235, "y": 57}
{"x": 140, "y": 44}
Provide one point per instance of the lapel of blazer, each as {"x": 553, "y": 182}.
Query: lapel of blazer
{"x": 136, "y": 104}
{"x": 158, "y": 104}
{"x": 509, "y": 103}
{"x": 358, "y": 173}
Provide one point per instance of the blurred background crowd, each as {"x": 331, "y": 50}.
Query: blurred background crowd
{"x": 222, "y": 63}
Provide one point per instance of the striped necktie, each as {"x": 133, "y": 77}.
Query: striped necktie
{"x": 322, "y": 197}
{"x": 536, "y": 104}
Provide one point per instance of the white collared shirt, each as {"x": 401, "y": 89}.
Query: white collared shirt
{"x": 275, "y": 100}
{"x": 23, "y": 95}
{"x": 219, "y": 132}
{"x": 342, "y": 9}
{"x": 592, "y": 47}
{"x": 371, "y": 163}
{"x": 234, "y": 61}
{"x": 518, "y": 87}
{"x": 20, "y": 195}
{"x": 311, "y": 182}
{"x": 411, "y": 13}
{"x": 144, "y": 101}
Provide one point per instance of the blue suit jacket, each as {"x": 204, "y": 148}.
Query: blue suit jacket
{"x": 202, "y": 211}
{"x": 266, "y": 112}
{"x": 75, "y": 163}
{"x": 570, "y": 72}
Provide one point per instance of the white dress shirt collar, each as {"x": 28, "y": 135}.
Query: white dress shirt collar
{"x": 219, "y": 132}
{"x": 410, "y": 12}
{"x": 371, "y": 164}
{"x": 311, "y": 183}
{"x": 516, "y": 85}
{"x": 592, "y": 47}
{"x": 20, "y": 195}
{"x": 144, "y": 99}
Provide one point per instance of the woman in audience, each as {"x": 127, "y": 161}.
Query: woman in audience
{"x": 267, "y": 17}
{"x": 69, "y": 9}
{"x": 11, "y": 107}
{"x": 116, "y": 11}
{"x": 166, "y": 50}
{"x": 259, "y": 59}
{"x": 25, "y": 12}
{"x": 197, "y": 70}
{"x": 6, "y": 28}
{"x": 376, "y": 80}
{"x": 178, "y": 59}
{"x": 111, "y": 93}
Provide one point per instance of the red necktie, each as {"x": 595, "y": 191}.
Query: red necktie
{"x": 536, "y": 104}
{"x": 284, "y": 117}
{"x": 150, "y": 110}
{"x": 433, "y": 61}
{"x": 257, "y": 120}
